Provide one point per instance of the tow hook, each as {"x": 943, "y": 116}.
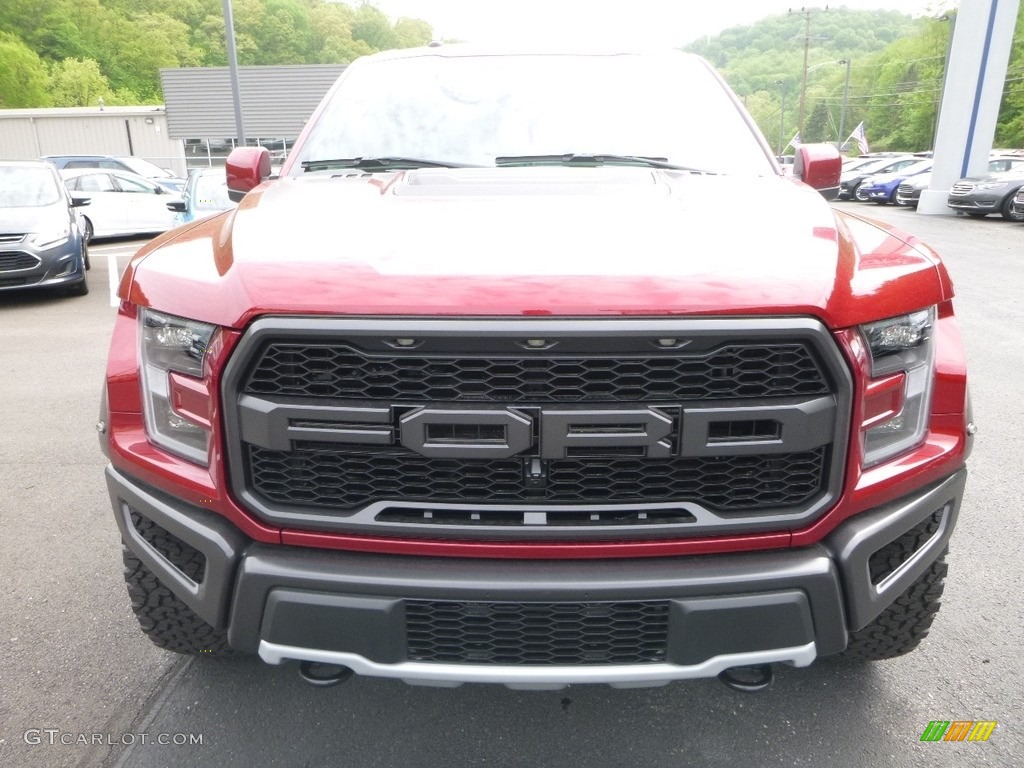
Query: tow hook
{"x": 323, "y": 675}
{"x": 747, "y": 679}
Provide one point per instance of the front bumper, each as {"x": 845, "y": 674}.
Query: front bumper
{"x": 28, "y": 266}
{"x": 979, "y": 203}
{"x": 718, "y": 611}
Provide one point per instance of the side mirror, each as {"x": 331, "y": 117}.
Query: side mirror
{"x": 178, "y": 206}
{"x": 247, "y": 167}
{"x": 819, "y": 166}
{"x": 77, "y": 201}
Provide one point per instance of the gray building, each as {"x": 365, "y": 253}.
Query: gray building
{"x": 276, "y": 103}
{"x": 26, "y": 134}
{"x": 194, "y": 127}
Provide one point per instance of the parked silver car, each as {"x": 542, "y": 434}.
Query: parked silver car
{"x": 41, "y": 244}
{"x": 909, "y": 192}
{"x": 982, "y": 195}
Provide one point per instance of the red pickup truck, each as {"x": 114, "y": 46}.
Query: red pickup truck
{"x": 533, "y": 368}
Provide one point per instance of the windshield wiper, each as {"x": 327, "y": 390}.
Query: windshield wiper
{"x": 384, "y": 163}
{"x": 585, "y": 160}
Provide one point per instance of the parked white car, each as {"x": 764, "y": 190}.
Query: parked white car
{"x": 122, "y": 203}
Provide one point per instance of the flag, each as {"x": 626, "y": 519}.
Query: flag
{"x": 860, "y": 137}
{"x": 794, "y": 142}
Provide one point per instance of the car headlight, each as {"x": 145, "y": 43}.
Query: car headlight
{"x": 992, "y": 185}
{"x": 176, "y": 398}
{"x": 898, "y": 397}
{"x": 52, "y": 238}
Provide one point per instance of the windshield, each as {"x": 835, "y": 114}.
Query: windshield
{"x": 211, "y": 193}
{"x": 146, "y": 168}
{"x": 916, "y": 168}
{"x": 27, "y": 187}
{"x": 469, "y": 110}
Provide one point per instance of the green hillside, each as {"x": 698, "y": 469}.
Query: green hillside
{"x": 896, "y": 69}
{"x": 67, "y": 53}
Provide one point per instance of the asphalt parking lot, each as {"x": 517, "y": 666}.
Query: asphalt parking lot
{"x": 81, "y": 686}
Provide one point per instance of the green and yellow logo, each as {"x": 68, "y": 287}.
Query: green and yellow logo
{"x": 958, "y": 730}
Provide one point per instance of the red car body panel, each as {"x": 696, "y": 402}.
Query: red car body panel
{"x": 671, "y": 253}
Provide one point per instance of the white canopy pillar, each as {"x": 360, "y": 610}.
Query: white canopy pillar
{"x": 975, "y": 75}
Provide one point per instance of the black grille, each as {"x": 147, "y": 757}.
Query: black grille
{"x": 17, "y": 260}
{"x": 343, "y": 372}
{"x": 537, "y": 633}
{"x": 342, "y": 479}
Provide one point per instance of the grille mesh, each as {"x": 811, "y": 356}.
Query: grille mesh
{"x": 343, "y": 372}
{"x": 537, "y": 633}
{"x": 342, "y": 479}
{"x": 17, "y": 260}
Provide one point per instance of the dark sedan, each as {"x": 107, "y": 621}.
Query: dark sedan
{"x": 980, "y": 196}
{"x": 41, "y": 242}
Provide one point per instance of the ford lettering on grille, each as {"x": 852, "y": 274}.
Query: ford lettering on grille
{"x": 498, "y": 433}
{"x": 605, "y": 432}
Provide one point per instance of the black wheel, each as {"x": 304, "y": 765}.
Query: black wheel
{"x": 85, "y": 257}
{"x": 167, "y": 621}
{"x": 902, "y": 626}
{"x": 859, "y": 195}
{"x": 1007, "y": 209}
{"x": 87, "y": 234}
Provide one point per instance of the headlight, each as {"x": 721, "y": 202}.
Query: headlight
{"x": 898, "y": 397}
{"x": 52, "y": 238}
{"x": 175, "y": 397}
{"x": 992, "y": 185}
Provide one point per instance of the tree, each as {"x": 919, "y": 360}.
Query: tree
{"x": 373, "y": 27}
{"x": 23, "y": 78}
{"x": 818, "y": 126}
{"x": 413, "y": 32}
{"x": 77, "y": 83}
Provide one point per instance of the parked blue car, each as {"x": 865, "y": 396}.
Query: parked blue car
{"x": 205, "y": 193}
{"x": 881, "y": 189}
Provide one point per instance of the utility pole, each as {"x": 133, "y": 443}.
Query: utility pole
{"x": 806, "y": 12}
{"x": 782, "y": 117}
{"x": 846, "y": 99}
{"x": 229, "y": 36}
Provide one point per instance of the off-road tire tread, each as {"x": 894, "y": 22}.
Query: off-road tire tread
{"x": 902, "y": 626}
{"x": 167, "y": 621}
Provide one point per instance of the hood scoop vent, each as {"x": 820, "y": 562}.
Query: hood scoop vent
{"x": 472, "y": 182}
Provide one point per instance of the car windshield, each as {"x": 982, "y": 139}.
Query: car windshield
{"x": 211, "y": 193}
{"x": 24, "y": 187}
{"x": 146, "y": 168}
{"x": 916, "y": 168}
{"x": 470, "y": 110}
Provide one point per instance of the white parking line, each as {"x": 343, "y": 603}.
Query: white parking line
{"x": 113, "y": 251}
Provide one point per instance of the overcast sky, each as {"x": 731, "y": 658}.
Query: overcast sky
{"x": 657, "y": 23}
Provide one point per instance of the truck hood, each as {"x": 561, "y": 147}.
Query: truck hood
{"x": 533, "y": 242}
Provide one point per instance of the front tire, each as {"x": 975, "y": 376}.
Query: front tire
{"x": 859, "y": 195}
{"x": 902, "y": 626}
{"x": 1007, "y": 209}
{"x": 165, "y": 619}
